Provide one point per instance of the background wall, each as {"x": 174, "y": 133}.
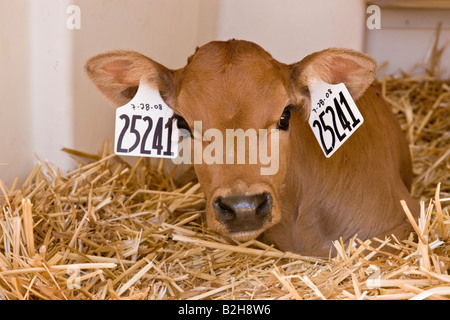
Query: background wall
{"x": 15, "y": 84}
{"x": 47, "y": 102}
{"x": 406, "y": 38}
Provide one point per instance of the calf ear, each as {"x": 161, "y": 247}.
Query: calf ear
{"x": 117, "y": 75}
{"x": 355, "y": 69}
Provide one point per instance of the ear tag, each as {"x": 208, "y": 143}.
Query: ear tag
{"x": 144, "y": 126}
{"x": 334, "y": 115}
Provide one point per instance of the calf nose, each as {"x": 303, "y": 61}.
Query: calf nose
{"x": 243, "y": 213}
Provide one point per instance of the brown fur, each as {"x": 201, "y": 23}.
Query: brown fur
{"x": 236, "y": 84}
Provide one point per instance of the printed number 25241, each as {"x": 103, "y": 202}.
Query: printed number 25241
{"x": 335, "y": 130}
{"x": 141, "y": 131}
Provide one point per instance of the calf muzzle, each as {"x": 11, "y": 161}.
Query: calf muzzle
{"x": 244, "y": 213}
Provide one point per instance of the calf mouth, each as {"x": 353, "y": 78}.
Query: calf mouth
{"x": 243, "y": 236}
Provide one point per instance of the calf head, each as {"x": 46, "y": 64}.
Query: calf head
{"x": 237, "y": 85}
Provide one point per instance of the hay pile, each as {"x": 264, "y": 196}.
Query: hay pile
{"x": 109, "y": 230}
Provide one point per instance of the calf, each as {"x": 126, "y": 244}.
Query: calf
{"x": 311, "y": 200}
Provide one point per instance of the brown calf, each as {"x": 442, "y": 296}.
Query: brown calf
{"x": 311, "y": 200}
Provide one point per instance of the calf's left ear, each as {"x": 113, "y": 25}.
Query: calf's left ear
{"x": 355, "y": 69}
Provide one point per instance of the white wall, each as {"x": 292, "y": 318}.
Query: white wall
{"x": 406, "y": 37}
{"x": 51, "y": 81}
{"x": 292, "y": 29}
{"x": 48, "y": 103}
{"x": 15, "y": 85}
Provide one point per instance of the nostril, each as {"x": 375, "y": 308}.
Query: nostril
{"x": 265, "y": 207}
{"x": 225, "y": 212}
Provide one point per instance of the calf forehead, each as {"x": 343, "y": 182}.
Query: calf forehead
{"x": 218, "y": 55}
{"x": 233, "y": 80}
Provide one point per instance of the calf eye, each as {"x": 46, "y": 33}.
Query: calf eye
{"x": 182, "y": 124}
{"x": 283, "y": 123}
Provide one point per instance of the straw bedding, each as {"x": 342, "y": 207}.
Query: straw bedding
{"x": 111, "y": 230}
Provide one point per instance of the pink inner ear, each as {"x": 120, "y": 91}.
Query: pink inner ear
{"x": 118, "y": 68}
{"x": 341, "y": 68}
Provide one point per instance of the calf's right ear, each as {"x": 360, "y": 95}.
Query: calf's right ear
{"x": 117, "y": 75}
